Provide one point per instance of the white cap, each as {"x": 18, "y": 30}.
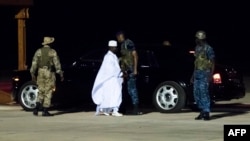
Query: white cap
{"x": 112, "y": 43}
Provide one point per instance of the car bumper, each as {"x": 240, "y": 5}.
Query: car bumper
{"x": 228, "y": 92}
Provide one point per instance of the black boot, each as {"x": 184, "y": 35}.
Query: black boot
{"x": 206, "y": 116}
{"x": 46, "y": 113}
{"x": 200, "y": 116}
{"x": 36, "y": 109}
{"x": 136, "y": 110}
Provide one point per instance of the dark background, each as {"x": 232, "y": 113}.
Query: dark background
{"x": 81, "y": 25}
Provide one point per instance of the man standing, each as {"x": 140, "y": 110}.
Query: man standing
{"x": 202, "y": 75}
{"x": 129, "y": 62}
{"x": 107, "y": 89}
{"x": 45, "y": 64}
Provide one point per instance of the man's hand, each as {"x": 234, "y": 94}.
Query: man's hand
{"x": 210, "y": 77}
{"x": 33, "y": 77}
{"x": 135, "y": 73}
{"x": 192, "y": 79}
{"x": 124, "y": 74}
{"x": 61, "y": 76}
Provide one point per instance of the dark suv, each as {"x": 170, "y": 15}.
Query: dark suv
{"x": 163, "y": 81}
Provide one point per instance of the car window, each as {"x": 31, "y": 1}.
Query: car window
{"x": 171, "y": 57}
{"x": 147, "y": 58}
{"x": 94, "y": 55}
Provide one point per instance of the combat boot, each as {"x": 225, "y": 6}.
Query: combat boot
{"x": 136, "y": 110}
{"x": 46, "y": 113}
{"x": 206, "y": 116}
{"x": 36, "y": 109}
{"x": 200, "y": 116}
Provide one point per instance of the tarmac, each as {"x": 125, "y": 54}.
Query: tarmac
{"x": 82, "y": 125}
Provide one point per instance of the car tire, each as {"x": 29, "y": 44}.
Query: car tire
{"x": 27, "y": 95}
{"x": 169, "y": 97}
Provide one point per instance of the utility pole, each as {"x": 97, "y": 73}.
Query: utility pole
{"x": 21, "y": 17}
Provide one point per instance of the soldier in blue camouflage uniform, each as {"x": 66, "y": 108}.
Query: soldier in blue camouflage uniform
{"x": 46, "y": 63}
{"x": 203, "y": 72}
{"x": 129, "y": 62}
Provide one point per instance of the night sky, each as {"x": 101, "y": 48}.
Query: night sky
{"x": 82, "y": 25}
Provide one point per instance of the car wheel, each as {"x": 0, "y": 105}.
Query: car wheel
{"x": 169, "y": 97}
{"x": 27, "y": 95}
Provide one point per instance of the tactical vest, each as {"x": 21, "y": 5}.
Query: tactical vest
{"x": 126, "y": 58}
{"x": 202, "y": 61}
{"x": 45, "y": 59}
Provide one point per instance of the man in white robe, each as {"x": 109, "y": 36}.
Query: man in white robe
{"x": 107, "y": 89}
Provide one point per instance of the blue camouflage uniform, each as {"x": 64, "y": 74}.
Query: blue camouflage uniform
{"x": 202, "y": 74}
{"x": 127, "y": 65}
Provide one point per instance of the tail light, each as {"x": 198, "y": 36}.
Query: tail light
{"x": 192, "y": 52}
{"x": 217, "y": 78}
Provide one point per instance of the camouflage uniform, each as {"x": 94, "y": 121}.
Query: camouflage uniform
{"x": 202, "y": 73}
{"x": 44, "y": 61}
{"x": 127, "y": 65}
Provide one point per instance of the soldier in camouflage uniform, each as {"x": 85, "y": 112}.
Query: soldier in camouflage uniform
{"x": 203, "y": 72}
{"x": 45, "y": 64}
{"x": 129, "y": 62}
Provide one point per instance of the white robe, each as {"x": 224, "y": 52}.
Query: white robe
{"x": 107, "y": 89}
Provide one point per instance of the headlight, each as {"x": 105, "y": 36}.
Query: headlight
{"x": 16, "y": 79}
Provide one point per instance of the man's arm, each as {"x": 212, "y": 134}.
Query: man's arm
{"x": 192, "y": 76}
{"x": 57, "y": 65}
{"x": 131, "y": 46}
{"x": 34, "y": 65}
{"x": 213, "y": 66}
{"x": 135, "y": 59}
{"x": 211, "y": 56}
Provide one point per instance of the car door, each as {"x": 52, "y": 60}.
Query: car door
{"x": 81, "y": 75}
{"x": 148, "y": 68}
